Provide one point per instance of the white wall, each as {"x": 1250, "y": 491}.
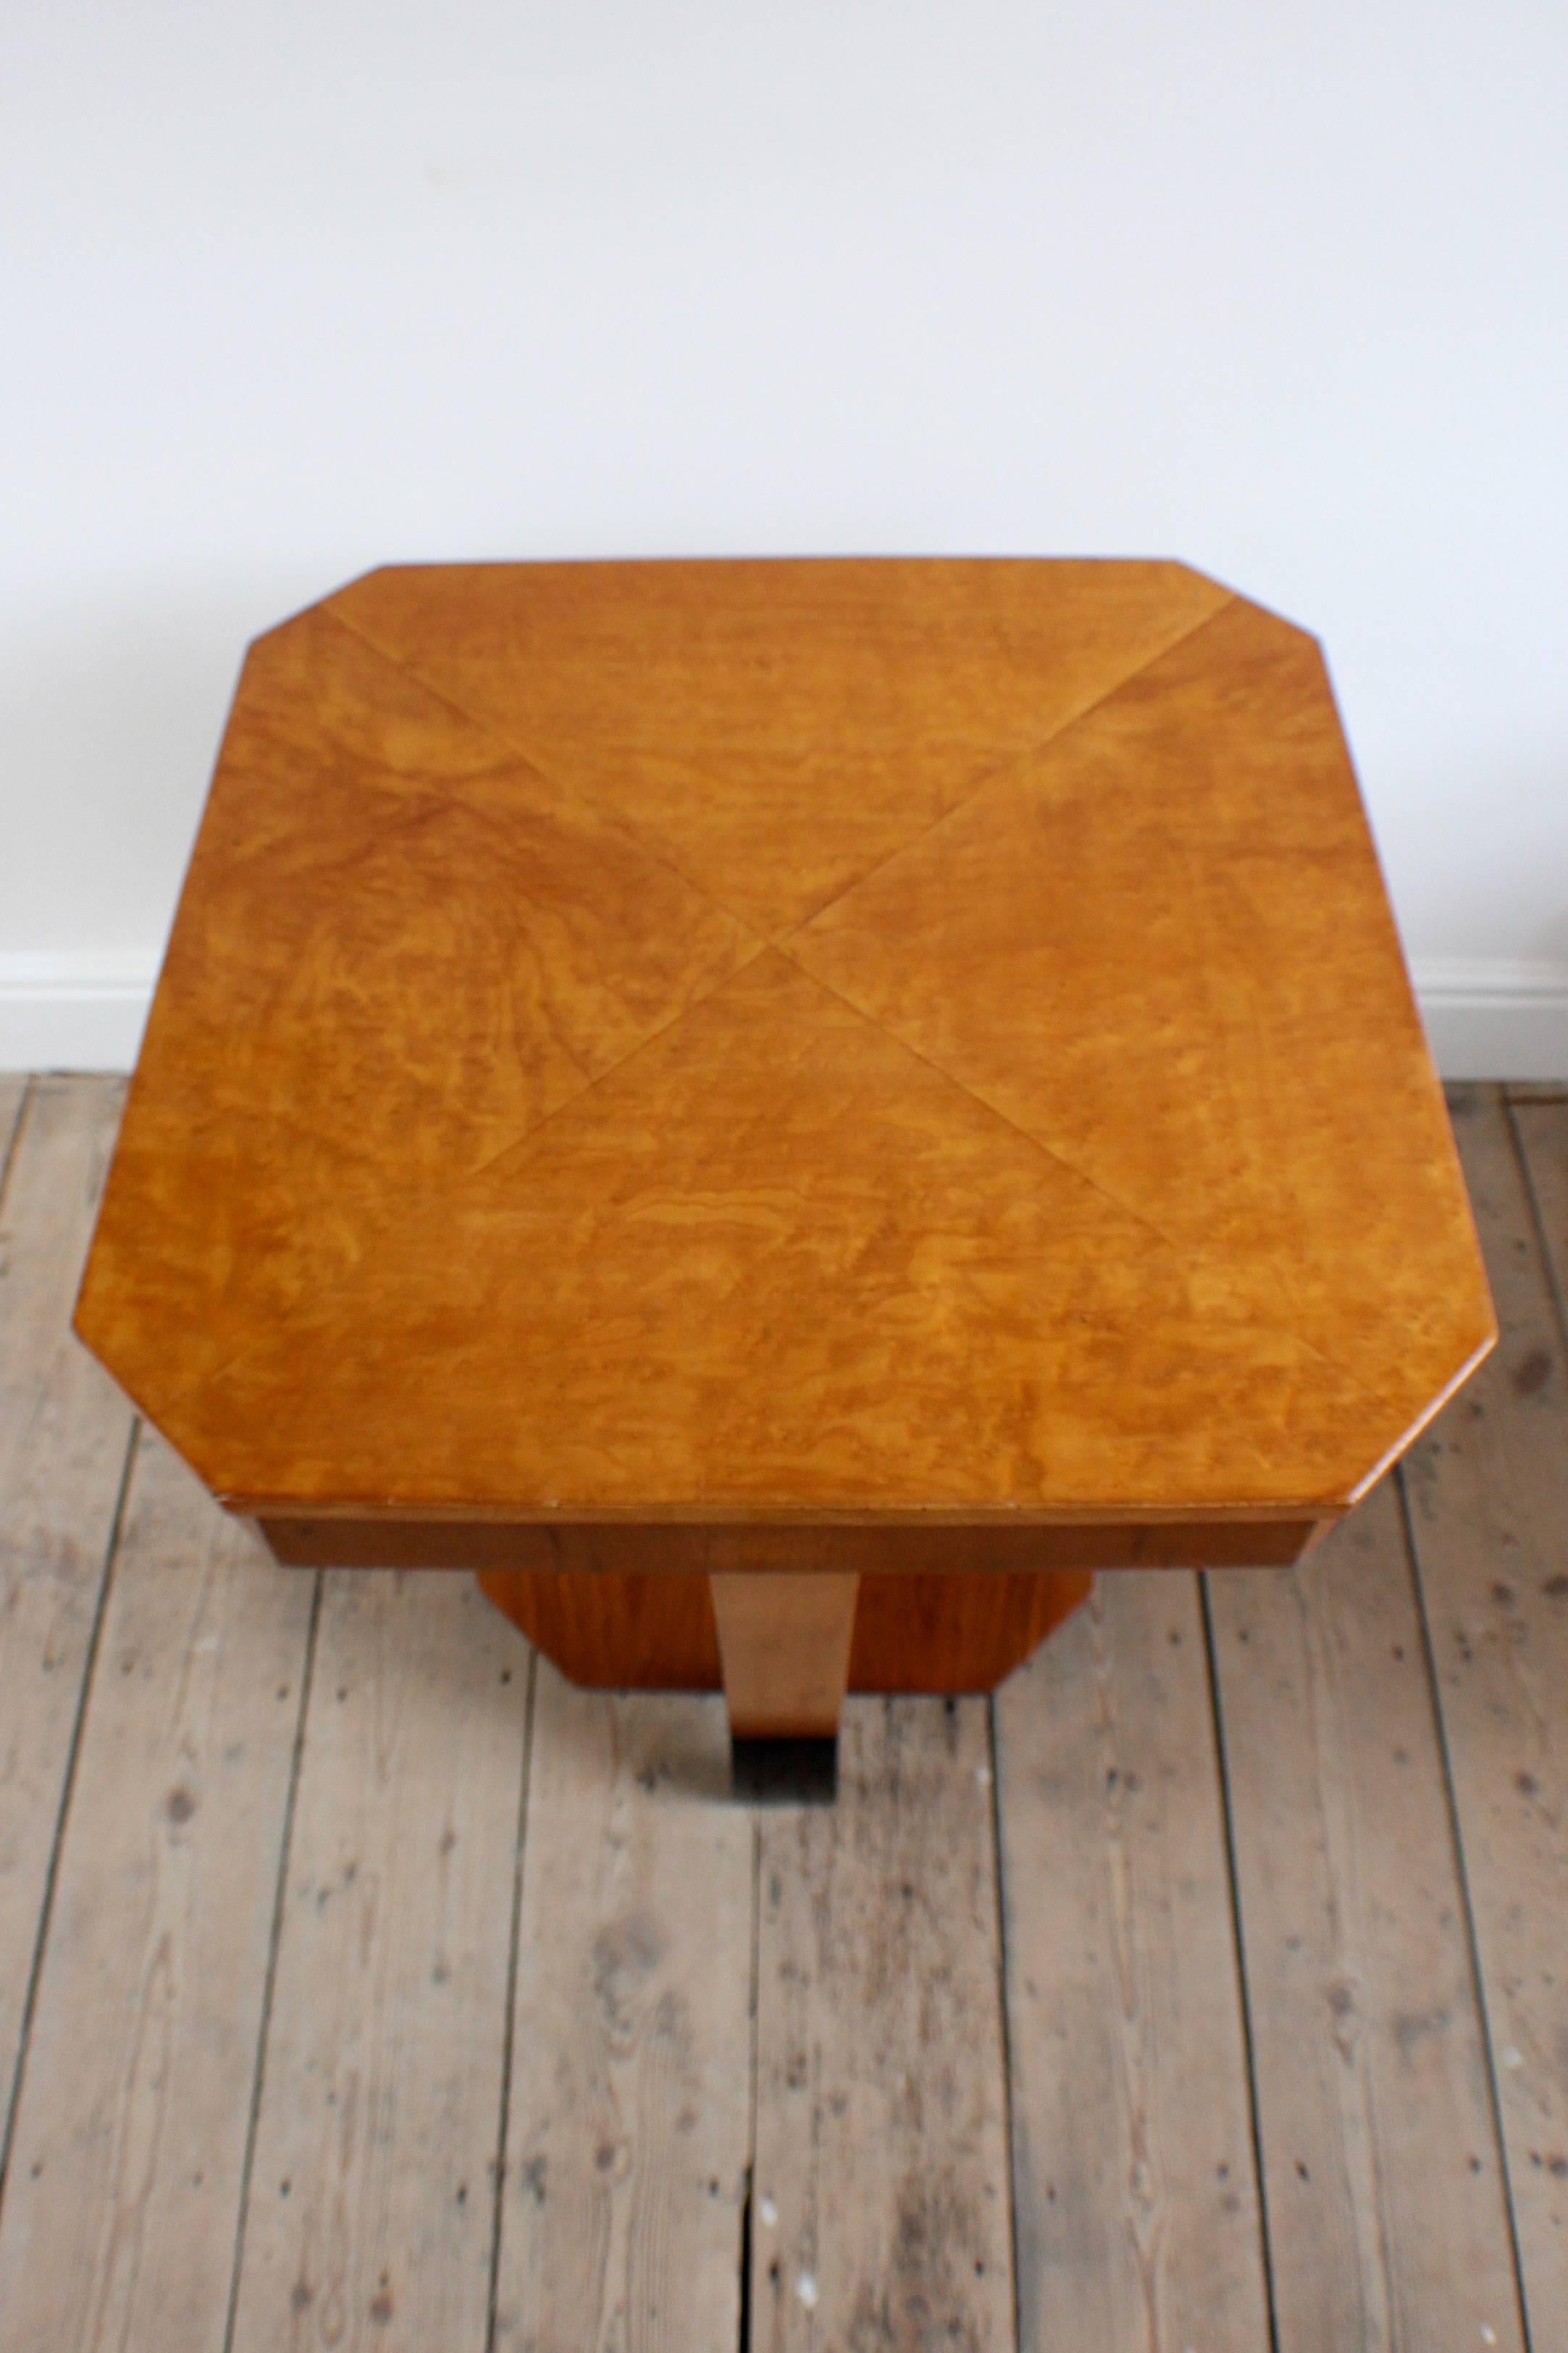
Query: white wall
{"x": 288, "y": 291}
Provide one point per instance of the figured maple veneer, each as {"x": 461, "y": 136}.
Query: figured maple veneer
{"x": 895, "y": 1045}
{"x": 776, "y": 729}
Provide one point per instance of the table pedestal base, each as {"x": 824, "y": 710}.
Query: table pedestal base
{"x": 880, "y": 1632}
{"x": 908, "y": 1627}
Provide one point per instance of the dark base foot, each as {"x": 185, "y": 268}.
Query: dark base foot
{"x": 785, "y": 1772}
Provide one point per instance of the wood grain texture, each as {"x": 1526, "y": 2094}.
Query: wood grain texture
{"x": 616, "y": 1633}
{"x": 913, "y": 1548}
{"x": 783, "y": 1649}
{"x": 450, "y": 950}
{"x": 371, "y": 2207}
{"x": 543, "y": 1109}
{"x": 1381, "y": 2168}
{"x": 1134, "y": 2190}
{"x": 64, "y": 1437}
{"x": 123, "y": 2199}
{"x": 955, "y": 1634}
{"x": 603, "y": 1357}
{"x": 630, "y": 2113}
{"x": 1251, "y": 1090}
{"x": 921, "y": 1633}
{"x": 776, "y": 728}
{"x": 1489, "y": 1514}
{"x": 881, "y": 2209}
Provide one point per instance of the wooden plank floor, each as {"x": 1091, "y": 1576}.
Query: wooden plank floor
{"x": 364, "y": 1985}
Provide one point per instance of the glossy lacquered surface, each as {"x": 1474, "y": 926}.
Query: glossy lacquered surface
{"x": 760, "y": 1040}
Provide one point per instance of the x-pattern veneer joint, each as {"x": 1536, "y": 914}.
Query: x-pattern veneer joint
{"x": 898, "y": 1069}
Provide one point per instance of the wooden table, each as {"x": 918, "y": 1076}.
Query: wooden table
{"x": 785, "y": 1113}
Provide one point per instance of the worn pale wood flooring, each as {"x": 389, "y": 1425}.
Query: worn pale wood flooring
{"x": 364, "y": 1985}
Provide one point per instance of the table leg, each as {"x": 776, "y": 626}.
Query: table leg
{"x": 783, "y": 1642}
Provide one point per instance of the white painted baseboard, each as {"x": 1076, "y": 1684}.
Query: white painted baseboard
{"x": 73, "y": 1012}
{"x": 1487, "y": 1020}
{"x": 1493, "y": 1018}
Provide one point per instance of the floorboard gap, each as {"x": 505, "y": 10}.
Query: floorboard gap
{"x": 12, "y": 1142}
{"x": 307, "y": 1678}
{"x": 1238, "y": 1938}
{"x": 748, "y": 2186}
{"x": 510, "y": 2023}
{"x": 1005, "y": 2022}
{"x": 743, "y": 2326}
{"x": 1472, "y": 1941}
{"x": 1538, "y": 1223}
{"x": 40, "y": 1941}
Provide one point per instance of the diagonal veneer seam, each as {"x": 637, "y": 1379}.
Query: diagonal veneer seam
{"x": 514, "y": 755}
{"x": 1319, "y": 1506}
{"x": 1080, "y": 1175}
{"x": 901, "y": 1044}
{"x": 998, "y": 779}
{"x": 1002, "y": 769}
{"x": 1179, "y": 1249}
{"x": 515, "y": 1144}
{"x": 979, "y": 783}
{"x": 760, "y": 948}
{"x": 604, "y": 810}
{"x": 989, "y": 779}
{"x": 872, "y": 1022}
